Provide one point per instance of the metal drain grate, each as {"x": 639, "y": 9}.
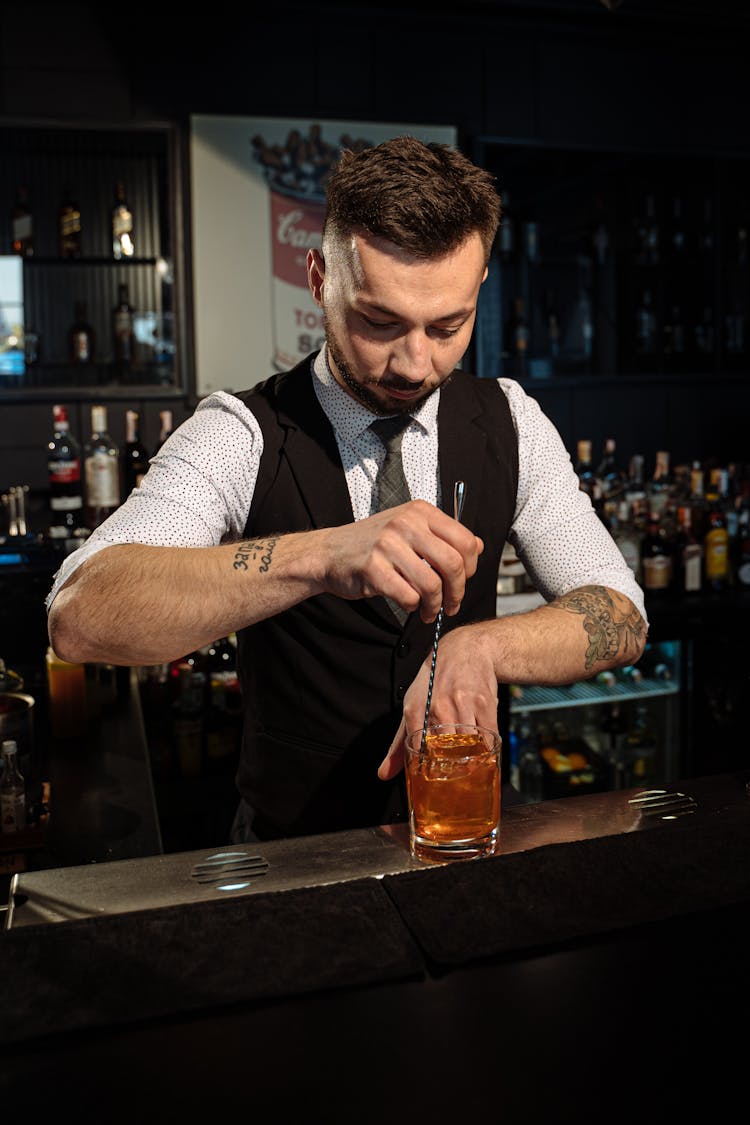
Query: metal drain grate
{"x": 232, "y": 869}
{"x": 660, "y": 802}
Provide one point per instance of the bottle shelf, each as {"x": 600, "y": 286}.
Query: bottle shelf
{"x": 587, "y": 693}
{"x": 86, "y": 262}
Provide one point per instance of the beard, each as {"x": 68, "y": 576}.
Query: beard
{"x": 360, "y": 387}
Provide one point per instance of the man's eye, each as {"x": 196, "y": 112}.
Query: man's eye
{"x": 445, "y": 332}
{"x": 378, "y": 323}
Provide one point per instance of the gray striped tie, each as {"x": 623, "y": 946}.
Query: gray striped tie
{"x": 391, "y": 488}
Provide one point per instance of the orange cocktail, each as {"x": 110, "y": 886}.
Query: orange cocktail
{"x": 453, "y": 785}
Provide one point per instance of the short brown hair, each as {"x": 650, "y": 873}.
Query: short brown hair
{"x": 425, "y": 198}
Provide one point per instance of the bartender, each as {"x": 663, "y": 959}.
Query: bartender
{"x": 263, "y": 515}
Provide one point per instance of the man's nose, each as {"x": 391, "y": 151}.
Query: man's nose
{"x": 412, "y": 358}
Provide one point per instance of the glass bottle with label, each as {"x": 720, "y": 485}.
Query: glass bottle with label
{"x": 123, "y": 245}
{"x": 70, "y": 227}
{"x": 135, "y": 457}
{"x": 627, "y": 539}
{"x": 64, "y": 474}
{"x": 123, "y": 334}
{"x": 716, "y": 544}
{"x": 81, "y": 338}
{"x": 12, "y": 790}
{"x": 101, "y": 469}
{"x": 22, "y": 224}
{"x": 656, "y": 555}
{"x": 689, "y": 553}
{"x": 165, "y": 428}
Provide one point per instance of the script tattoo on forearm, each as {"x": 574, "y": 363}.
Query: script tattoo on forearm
{"x": 248, "y": 552}
{"x": 612, "y": 622}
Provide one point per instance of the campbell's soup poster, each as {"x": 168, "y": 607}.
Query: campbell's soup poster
{"x": 258, "y": 203}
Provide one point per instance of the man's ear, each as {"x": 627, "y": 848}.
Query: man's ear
{"x": 316, "y": 273}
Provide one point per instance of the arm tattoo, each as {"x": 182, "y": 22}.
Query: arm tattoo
{"x": 251, "y": 552}
{"x": 612, "y": 622}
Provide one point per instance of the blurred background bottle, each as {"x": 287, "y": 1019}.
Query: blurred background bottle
{"x": 69, "y": 221}
{"x": 12, "y": 790}
{"x": 135, "y": 457}
{"x": 123, "y": 245}
{"x": 22, "y": 224}
{"x": 102, "y": 470}
{"x": 64, "y": 474}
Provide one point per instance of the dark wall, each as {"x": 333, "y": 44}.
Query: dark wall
{"x": 667, "y": 75}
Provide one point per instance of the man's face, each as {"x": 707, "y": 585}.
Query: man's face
{"x": 396, "y": 326}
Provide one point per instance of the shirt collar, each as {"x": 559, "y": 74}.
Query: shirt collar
{"x": 351, "y": 417}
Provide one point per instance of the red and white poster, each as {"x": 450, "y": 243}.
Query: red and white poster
{"x": 258, "y": 203}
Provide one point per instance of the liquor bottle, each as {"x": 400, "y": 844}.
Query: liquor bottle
{"x": 135, "y": 457}
{"x": 660, "y": 485}
{"x": 640, "y": 748}
{"x": 123, "y": 245}
{"x": 101, "y": 461}
{"x": 22, "y": 224}
{"x": 70, "y": 227}
{"x": 608, "y": 470}
{"x": 81, "y": 339}
{"x": 716, "y": 544}
{"x": 507, "y": 230}
{"x": 123, "y": 334}
{"x": 656, "y": 556}
{"x": 688, "y": 553}
{"x": 584, "y": 468}
{"x": 517, "y": 332}
{"x": 628, "y": 539}
{"x": 64, "y": 474}
{"x": 12, "y": 790}
{"x": 165, "y": 424}
{"x": 677, "y": 240}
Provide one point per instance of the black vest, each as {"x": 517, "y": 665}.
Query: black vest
{"x": 323, "y": 682}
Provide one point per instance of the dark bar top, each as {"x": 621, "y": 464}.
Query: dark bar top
{"x": 592, "y": 971}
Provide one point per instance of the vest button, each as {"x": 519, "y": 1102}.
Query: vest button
{"x": 400, "y": 691}
{"x": 403, "y": 648}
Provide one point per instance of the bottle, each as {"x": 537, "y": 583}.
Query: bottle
{"x": 656, "y": 556}
{"x": 530, "y": 768}
{"x": 67, "y": 697}
{"x": 507, "y": 230}
{"x": 660, "y": 485}
{"x": 123, "y": 335}
{"x": 647, "y": 235}
{"x": 165, "y": 424}
{"x": 64, "y": 474}
{"x": 135, "y": 457}
{"x": 12, "y": 790}
{"x": 677, "y": 233}
{"x": 81, "y": 340}
{"x": 689, "y": 553}
{"x": 627, "y": 539}
{"x": 518, "y": 338}
{"x": 640, "y": 748}
{"x": 584, "y": 468}
{"x": 22, "y": 224}
{"x": 101, "y": 470}
{"x": 123, "y": 245}
{"x": 70, "y": 227}
{"x": 608, "y": 471}
{"x": 716, "y": 544}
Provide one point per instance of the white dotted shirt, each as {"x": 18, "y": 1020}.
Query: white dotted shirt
{"x": 199, "y": 487}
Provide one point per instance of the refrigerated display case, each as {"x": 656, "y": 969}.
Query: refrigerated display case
{"x": 617, "y": 730}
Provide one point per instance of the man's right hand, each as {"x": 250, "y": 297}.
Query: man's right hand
{"x": 413, "y": 554}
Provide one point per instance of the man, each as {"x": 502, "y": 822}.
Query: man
{"x": 258, "y": 517}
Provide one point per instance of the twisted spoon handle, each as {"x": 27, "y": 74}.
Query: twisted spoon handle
{"x": 459, "y": 492}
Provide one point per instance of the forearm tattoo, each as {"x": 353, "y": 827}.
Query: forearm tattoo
{"x": 249, "y": 552}
{"x": 613, "y": 624}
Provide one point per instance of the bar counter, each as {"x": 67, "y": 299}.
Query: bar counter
{"x": 593, "y": 970}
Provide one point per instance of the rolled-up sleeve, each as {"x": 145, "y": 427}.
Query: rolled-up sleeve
{"x": 556, "y": 533}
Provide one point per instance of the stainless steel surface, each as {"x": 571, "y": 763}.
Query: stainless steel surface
{"x": 62, "y": 894}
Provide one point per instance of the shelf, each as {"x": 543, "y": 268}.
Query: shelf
{"x": 50, "y": 261}
{"x": 587, "y": 693}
